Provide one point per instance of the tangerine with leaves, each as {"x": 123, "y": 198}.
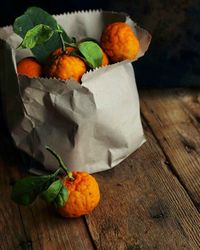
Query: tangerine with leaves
{"x": 84, "y": 195}
{"x": 74, "y": 195}
{"x": 30, "y": 67}
{"x": 63, "y": 65}
{"x": 83, "y": 192}
{"x": 119, "y": 42}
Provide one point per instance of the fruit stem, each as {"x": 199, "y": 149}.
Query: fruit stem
{"x": 61, "y": 37}
{"x": 74, "y": 45}
{"x": 61, "y": 163}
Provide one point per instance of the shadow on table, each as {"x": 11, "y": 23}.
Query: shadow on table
{"x": 10, "y": 154}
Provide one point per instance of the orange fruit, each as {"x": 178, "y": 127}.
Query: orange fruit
{"x": 119, "y": 42}
{"x": 62, "y": 65}
{"x": 84, "y": 195}
{"x": 30, "y": 67}
{"x": 105, "y": 60}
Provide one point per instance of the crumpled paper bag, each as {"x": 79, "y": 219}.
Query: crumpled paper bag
{"x": 93, "y": 126}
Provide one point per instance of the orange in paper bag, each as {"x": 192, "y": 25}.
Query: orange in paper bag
{"x": 105, "y": 60}
{"x": 62, "y": 65}
{"x": 29, "y": 66}
{"x": 119, "y": 42}
{"x": 67, "y": 58}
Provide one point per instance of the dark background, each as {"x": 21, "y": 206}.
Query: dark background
{"x": 173, "y": 56}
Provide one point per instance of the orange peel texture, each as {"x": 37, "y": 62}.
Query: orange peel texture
{"x": 119, "y": 42}
{"x": 60, "y": 64}
{"x": 30, "y": 67}
{"x": 84, "y": 195}
{"x": 105, "y": 60}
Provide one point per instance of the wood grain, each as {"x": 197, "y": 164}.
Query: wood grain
{"x": 190, "y": 99}
{"x": 147, "y": 202}
{"x": 47, "y": 230}
{"x": 12, "y": 234}
{"x": 177, "y": 134}
{"x": 144, "y": 206}
{"x": 37, "y": 226}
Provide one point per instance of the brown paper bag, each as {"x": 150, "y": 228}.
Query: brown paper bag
{"x": 93, "y": 126}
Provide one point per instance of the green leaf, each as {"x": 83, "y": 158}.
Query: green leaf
{"x": 26, "y": 190}
{"x": 92, "y": 53}
{"x": 36, "y": 36}
{"x": 52, "y": 192}
{"x": 62, "y": 198}
{"x": 86, "y": 39}
{"x": 32, "y": 17}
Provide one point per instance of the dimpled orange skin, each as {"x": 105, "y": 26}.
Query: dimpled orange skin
{"x": 30, "y": 67}
{"x": 84, "y": 195}
{"x": 105, "y": 60}
{"x": 64, "y": 66}
{"x": 119, "y": 42}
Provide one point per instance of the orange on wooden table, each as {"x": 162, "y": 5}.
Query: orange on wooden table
{"x": 73, "y": 195}
{"x": 84, "y": 195}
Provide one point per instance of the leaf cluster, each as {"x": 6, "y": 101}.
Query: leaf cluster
{"x": 42, "y": 34}
{"x": 49, "y": 187}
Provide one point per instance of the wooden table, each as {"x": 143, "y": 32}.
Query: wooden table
{"x": 150, "y": 201}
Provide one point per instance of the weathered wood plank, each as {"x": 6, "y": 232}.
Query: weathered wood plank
{"x": 49, "y": 231}
{"x": 144, "y": 206}
{"x": 12, "y": 234}
{"x": 177, "y": 134}
{"x": 190, "y": 99}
